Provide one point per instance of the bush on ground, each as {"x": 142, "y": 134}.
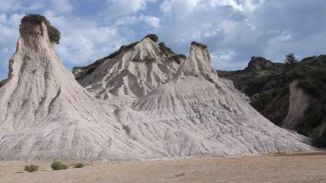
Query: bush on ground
{"x": 79, "y": 165}
{"x": 57, "y": 165}
{"x": 31, "y": 168}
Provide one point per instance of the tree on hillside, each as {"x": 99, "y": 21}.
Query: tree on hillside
{"x": 290, "y": 59}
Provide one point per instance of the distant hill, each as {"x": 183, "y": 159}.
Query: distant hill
{"x": 268, "y": 86}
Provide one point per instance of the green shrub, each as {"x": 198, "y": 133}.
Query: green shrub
{"x": 290, "y": 59}
{"x": 310, "y": 86}
{"x": 312, "y": 119}
{"x": 79, "y": 165}
{"x": 166, "y": 50}
{"x": 53, "y": 32}
{"x": 199, "y": 44}
{"x": 57, "y": 165}
{"x": 31, "y": 168}
{"x": 268, "y": 90}
{"x": 320, "y": 140}
{"x": 153, "y": 37}
{"x": 177, "y": 58}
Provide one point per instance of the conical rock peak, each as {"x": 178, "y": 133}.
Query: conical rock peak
{"x": 198, "y": 63}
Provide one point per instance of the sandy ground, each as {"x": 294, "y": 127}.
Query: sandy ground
{"x": 276, "y": 168}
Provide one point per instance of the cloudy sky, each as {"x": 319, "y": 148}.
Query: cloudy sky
{"x": 234, "y": 30}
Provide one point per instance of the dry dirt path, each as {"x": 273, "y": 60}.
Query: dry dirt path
{"x": 278, "y": 168}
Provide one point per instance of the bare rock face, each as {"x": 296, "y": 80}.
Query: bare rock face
{"x": 131, "y": 72}
{"x": 298, "y": 103}
{"x": 198, "y": 63}
{"x": 258, "y": 63}
{"x": 201, "y": 113}
{"x": 164, "y": 109}
{"x": 46, "y": 114}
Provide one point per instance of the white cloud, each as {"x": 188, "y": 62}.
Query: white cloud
{"x": 239, "y": 5}
{"x": 245, "y": 27}
{"x": 62, "y": 6}
{"x": 119, "y": 8}
{"x": 129, "y": 21}
{"x": 151, "y": 20}
{"x": 234, "y": 30}
{"x": 84, "y": 41}
{"x": 186, "y": 5}
{"x": 223, "y": 60}
{"x": 9, "y": 28}
{"x": 9, "y": 35}
{"x": 10, "y": 5}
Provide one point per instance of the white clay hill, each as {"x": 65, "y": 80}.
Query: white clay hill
{"x": 143, "y": 102}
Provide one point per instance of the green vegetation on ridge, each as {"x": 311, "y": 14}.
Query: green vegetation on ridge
{"x": 53, "y": 32}
{"x": 267, "y": 85}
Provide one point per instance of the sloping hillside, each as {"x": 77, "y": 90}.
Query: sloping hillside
{"x": 267, "y": 85}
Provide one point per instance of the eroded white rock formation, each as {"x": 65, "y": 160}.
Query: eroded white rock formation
{"x": 171, "y": 110}
{"x": 298, "y": 103}
{"x": 201, "y": 113}
{"x": 135, "y": 70}
{"x": 46, "y": 114}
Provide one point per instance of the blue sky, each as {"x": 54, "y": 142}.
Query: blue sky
{"x": 234, "y": 30}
